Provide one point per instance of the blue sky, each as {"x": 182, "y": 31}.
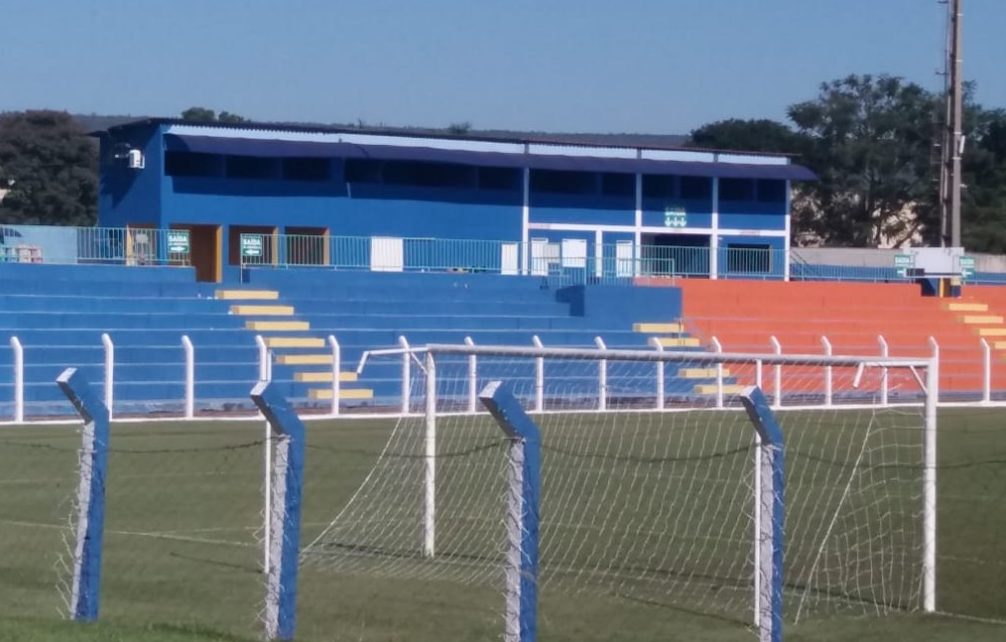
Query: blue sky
{"x": 660, "y": 66}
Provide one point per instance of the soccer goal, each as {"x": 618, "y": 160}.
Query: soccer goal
{"x": 656, "y": 481}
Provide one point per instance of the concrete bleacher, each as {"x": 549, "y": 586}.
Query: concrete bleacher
{"x": 59, "y": 314}
{"x": 743, "y": 315}
{"x": 367, "y": 310}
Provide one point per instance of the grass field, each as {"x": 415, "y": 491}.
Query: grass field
{"x": 182, "y": 558}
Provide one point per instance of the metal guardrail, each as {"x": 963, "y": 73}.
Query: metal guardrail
{"x": 572, "y": 261}
{"x": 94, "y": 245}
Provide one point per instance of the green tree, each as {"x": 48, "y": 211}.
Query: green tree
{"x": 227, "y": 117}
{"x": 871, "y": 145}
{"x": 199, "y": 114}
{"x": 51, "y": 167}
{"x": 983, "y": 207}
{"x": 762, "y": 135}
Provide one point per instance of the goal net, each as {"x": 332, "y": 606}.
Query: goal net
{"x": 649, "y": 483}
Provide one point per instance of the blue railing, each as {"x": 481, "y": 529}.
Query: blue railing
{"x": 93, "y": 245}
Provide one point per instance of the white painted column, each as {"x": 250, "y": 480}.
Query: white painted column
{"x": 655, "y": 342}
{"x": 106, "y": 341}
{"x": 986, "y": 371}
{"x": 333, "y": 345}
{"x": 430, "y": 485}
{"x": 884, "y": 352}
{"x": 18, "y": 350}
{"x": 602, "y": 377}
{"x": 714, "y": 238}
{"x": 777, "y": 392}
{"x": 525, "y": 221}
{"x": 539, "y": 377}
{"x": 473, "y": 375}
{"x": 718, "y": 347}
{"x": 638, "y": 222}
{"x": 786, "y": 241}
{"x": 190, "y": 377}
{"x": 598, "y": 253}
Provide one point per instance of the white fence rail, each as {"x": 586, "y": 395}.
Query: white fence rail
{"x": 978, "y": 367}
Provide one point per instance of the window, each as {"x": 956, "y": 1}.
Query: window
{"x": 428, "y": 174}
{"x": 305, "y": 169}
{"x": 659, "y": 186}
{"x": 736, "y": 189}
{"x": 363, "y": 171}
{"x": 771, "y": 191}
{"x": 192, "y": 164}
{"x": 618, "y": 184}
{"x": 252, "y": 167}
{"x": 505, "y": 178}
{"x": 696, "y": 187}
{"x": 563, "y": 182}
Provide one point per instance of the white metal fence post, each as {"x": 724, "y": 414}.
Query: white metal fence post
{"x": 406, "y": 375}
{"x": 884, "y": 352}
{"x": 539, "y": 377}
{"x": 602, "y": 377}
{"x": 264, "y": 365}
{"x": 986, "y": 371}
{"x": 777, "y": 391}
{"x": 655, "y": 342}
{"x": 929, "y": 482}
{"x": 935, "y": 347}
{"x": 190, "y": 377}
{"x": 106, "y": 341}
{"x": 333, "y": 344}
{"x": 18, "y": 350}
{"x": 473, "y": 374}
{"x": 265, "y": 374}
{"x": 828, "y": 374}
{"x": 430, "y": 495}
{"x": 718, "y": 347}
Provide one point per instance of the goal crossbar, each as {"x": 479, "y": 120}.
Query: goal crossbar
{"x": 619, "y": 354}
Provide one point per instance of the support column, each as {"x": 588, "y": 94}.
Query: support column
{"x": 714, "y": 238}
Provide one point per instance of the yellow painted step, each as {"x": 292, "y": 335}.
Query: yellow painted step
{"x": 967, "y": 307}
{"x": 263, "y": 310}
{"x": 248, "y": 295}
{"x": 323, "y": 377}
{"x": 701, "y": 373}
{"x": 992, "y": 332}
{"x": 296, "y": 342}
{"x": 999, "y": 345}
{"x": 710, "y": 389}
{"x": 344, "y": 393}
{"x": 678, "y": 342}
{"x": 981, "y": 318}
{"x": 658, "y": 328}
{"x": 304, "y": 359}
{"x": 273, "y": 326}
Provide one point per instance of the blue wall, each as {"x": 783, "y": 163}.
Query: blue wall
{"x": 131, "y": 196}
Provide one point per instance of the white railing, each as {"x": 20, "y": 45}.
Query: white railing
{"x": 980, "y": 389}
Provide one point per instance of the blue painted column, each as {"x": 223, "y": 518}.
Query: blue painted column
{"x": 770, "y": 521}
{"x": 522, "y": 519}
{"x": 287, "y": 476}
{"x": 85, "y": 589}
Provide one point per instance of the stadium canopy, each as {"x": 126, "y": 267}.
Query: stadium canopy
{"x": 307, "y": 149}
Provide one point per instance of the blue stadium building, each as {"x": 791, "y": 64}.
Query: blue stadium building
{"x": 394, "y": 201}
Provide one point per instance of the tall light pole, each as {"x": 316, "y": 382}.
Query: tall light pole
{"x": 953, "y": 134}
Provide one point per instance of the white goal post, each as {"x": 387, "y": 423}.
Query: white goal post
{"x": 653, "y": 491}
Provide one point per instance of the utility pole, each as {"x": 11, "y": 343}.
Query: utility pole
{"x": 953, "y": 134}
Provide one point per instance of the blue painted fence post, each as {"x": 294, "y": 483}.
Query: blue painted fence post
{"x": 523, "y": 498}
{"x": 85, "y": 590}
{"x": 771, "y": 471}
{"x": 284, "y": 522}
